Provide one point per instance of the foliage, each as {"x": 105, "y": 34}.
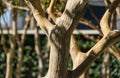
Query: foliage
{"x": 2, "y": 62}
{"x": 84, "y": 43}
{"x": 30, "y": 63}
{"x": 60, "y": 4}
{"x": 114, "y": 67}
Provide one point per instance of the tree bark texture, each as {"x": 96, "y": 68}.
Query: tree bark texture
{"x": 21, "y": 46}
{"x": 10, "y": 54}
{"x": 105, "y": 65}
{"x": 38, "y": 52}
{"x": 77, "y": 55}
{"x": 60, "y": 34}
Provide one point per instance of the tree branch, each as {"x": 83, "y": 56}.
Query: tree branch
{"x": 116, "y": 52}
{"x": 90, "y": 24}
{"x": 9, "y": 5}
{"x": 76, "y": 54}
{"x": 94, "y": 52}
{"x": 39, "y": 15}
{"x": 38, "y": 52}
{"x": 100, "y": 46}
{"x": 25, "y": 28}
{"x": 93, "y": 14}
{"x": 3, "y": 41}
{"x": 117, "y": 9}
{"x": 21, "y": 46}
{"x": 88, "y": 37}
{"x": 105, "y": 19}
{"x": 74, "y": 48}
{"x": 50, "y": 10}
{"x": 71, "y": 15}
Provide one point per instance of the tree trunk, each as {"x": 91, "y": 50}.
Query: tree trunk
{"x": 19, "y": 64}
{"x": 10, "y": 54}
{"x": 60, "y": 33}
{"x": 105, "y": 66}
{"x": 9, "y": 66}
{"x": 59, "y": 53}
{"x": 38, "y": 52}
{"x": 21, "y": 46}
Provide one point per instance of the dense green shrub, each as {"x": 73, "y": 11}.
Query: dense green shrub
{"x": 30, "y": 62}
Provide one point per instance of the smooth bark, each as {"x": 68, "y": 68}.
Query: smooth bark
{"x": 38, "y": 52}
{"x": 21, "y": 43}
{"x": 60, "y": 34}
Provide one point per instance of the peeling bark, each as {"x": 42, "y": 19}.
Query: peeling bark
{"x": 60, "y": 34}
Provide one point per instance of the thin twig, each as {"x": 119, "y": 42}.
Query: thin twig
{"x": 3, "y": 41}
{"x": 15, "y": 6}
